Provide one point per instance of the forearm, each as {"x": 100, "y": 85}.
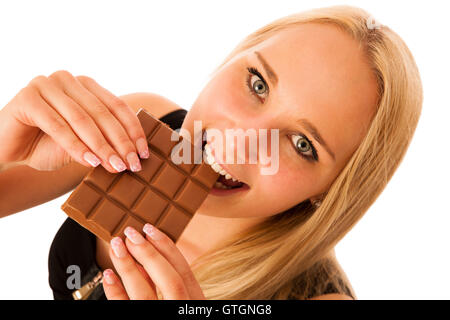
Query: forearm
{"x": 22, "y": 187}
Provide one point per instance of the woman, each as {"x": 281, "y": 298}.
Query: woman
{"x": 346, "y": 96}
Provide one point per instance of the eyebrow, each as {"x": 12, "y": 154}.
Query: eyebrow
{"x": 315, "y": 133}
{"x": 272, "y": 75}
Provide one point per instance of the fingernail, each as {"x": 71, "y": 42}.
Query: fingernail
{"x": 117, "y": 163}
{"x": 134, "y": 236}
{"x": 91, "y": 158}
{"x": 152, "y": 232}
{"x": 108, "y": 276}
{"x": 118, "y": 247}
{"x": 133, "y": 161}
{"x": 142, "y": 147}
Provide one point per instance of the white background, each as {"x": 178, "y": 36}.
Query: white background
{"x": 399, "y": 250}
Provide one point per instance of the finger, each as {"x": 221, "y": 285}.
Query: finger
{"x": 113, "y": 287}
{"x": 170, "y": 251}
{"x": 111, "y": 128}
{"x": 36, "y": 112}
{"x": 135, "y": 284}
{"x": 80, "y": 121}
{"x": 163, "y": 274}
{"x": 122, "y": 111}
{"x": 146, "y": 276}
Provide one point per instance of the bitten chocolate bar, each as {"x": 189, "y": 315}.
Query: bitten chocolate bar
{"x": 163, "y": 193}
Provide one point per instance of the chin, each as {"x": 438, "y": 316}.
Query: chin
{"x": 209, "y": 208}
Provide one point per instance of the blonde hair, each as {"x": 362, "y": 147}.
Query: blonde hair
{"x": 286, "y": 255}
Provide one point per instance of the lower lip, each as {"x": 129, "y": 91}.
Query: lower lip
{"x": 226, "y": 192}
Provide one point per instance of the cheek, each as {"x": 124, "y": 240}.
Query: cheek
{"x": 226, "y": 93}
{"x": 288, "y": 187}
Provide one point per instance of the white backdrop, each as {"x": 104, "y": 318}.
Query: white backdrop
{"x": 399, "y": 250}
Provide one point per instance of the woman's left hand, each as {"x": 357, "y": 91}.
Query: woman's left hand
{"x": 145, "y": 265}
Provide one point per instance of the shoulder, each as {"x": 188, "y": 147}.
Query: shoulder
{"x": 154, "y": 103}
{"x": 332, "y": 296}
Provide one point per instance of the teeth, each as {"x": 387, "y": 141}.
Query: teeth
{"x": 216, "y": 167}
{"x": 208, "y": 150}
{"x": 210, "y": 159}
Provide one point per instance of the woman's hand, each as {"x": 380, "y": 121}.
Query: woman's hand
{"x": 61, "y": 118}
{"x": 146, "y": 265}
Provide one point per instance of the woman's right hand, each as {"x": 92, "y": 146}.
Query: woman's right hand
{"x": 58, "y": 119}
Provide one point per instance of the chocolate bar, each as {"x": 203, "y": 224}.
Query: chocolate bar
{"x": 163, "y": 193}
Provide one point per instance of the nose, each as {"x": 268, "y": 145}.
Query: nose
{"x": 242, "y": 145}
{"x": 245, "y": 139}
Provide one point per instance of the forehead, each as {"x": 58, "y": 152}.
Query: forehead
{"x": 324, "y": 76}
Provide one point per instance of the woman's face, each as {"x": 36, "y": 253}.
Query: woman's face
{"x": 312, "y": 72}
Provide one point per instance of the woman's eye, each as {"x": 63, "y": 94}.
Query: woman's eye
{"x": 304, "y": 147}
{"x": 256, "y": 84}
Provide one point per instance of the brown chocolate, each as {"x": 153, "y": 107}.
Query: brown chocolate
{"x": 163, "y": 193}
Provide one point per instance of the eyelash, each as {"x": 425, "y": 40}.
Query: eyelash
{"x": 254, "y": 71}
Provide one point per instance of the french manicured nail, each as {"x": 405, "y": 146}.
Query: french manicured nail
{"x": 134, "y": 236}
{"x": 91, "y": 158}
{"x": 152, "y": 232}
{"x": 133, "y": 161}
{"x": 117, "y": 163}
{"x": 108, "y": 276}
{"x": 118, "y": 247}
{"x": 142, "y": 147}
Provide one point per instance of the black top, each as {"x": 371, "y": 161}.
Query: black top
{"x": 75, "y": 245}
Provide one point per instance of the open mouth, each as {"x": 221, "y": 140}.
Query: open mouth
{"x": 225, "y": 183}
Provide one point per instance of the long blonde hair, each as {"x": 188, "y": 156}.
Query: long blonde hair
{"x": 285, "y": 253}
